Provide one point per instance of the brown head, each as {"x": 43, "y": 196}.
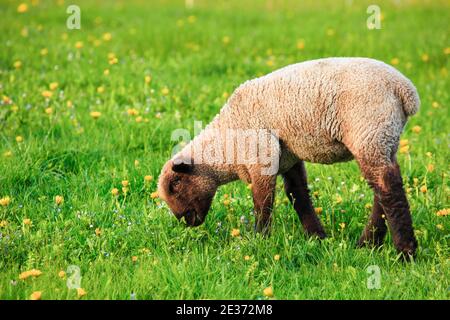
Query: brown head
{"x": 188, "y": 190}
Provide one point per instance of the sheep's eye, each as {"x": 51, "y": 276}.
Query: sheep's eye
{"x": 174, "y": 184}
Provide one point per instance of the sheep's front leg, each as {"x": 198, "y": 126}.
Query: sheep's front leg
{"x": 387, "y": 183}
{"x": 263, "y": 189}
{"x": 296, "y": 187}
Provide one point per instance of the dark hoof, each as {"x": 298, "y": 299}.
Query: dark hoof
{"x": 407, "y": 250}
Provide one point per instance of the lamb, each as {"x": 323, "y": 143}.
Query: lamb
{"x": 322, "y": 111}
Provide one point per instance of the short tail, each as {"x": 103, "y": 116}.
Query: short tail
{"x": 409, "y": 97}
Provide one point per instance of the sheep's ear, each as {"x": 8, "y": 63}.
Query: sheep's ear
{"x": 182, "y": 165}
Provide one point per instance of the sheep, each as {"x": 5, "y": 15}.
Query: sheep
{"x": 322, "y": 111}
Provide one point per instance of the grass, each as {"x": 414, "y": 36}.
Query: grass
{"x": 195, "y": 59}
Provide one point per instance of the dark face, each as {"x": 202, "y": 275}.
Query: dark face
{"x": 186, "y": 191}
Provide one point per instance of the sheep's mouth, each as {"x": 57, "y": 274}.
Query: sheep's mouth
{"x": 192, "y": 218}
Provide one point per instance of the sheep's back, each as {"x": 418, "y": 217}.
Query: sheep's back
{"x": 313, "y": 104}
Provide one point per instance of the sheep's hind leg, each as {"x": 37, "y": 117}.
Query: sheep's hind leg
{"x": 375, "y": 230}
{"x": 387, "y": 183}
{"x": 296, "y": 187}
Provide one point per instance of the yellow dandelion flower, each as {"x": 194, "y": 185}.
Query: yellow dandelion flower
{"x": 416, "y": 129}
{"x": 447, "y": 50}
{"x": 443, "y": 212}
{"x": 330, "y": 32}
{"x": 318, "y": 210}
{"x": 95, "y": 114}
{"x": 30, "y": 273}
{"x": 425, "y": 57}
{"x": 62, "y": 274}
{"x": 435, "y": 104}
{"x": 106, "y": 72}
{"x": 44, "y": 52}
{"x": 404, "y": 149}
{"x": 5, "y": 201}
{"x": 139, "y": 119}
{"x": 154, "y": 195}
{"x": 430, "y": 167}
{"x": 19, "y": 139}
{"x": 6, "y": 100}
{"x": 17, "y": 64}
{"x": 24, "y": 275}
{"x": 342, "y": 225}
{"x": 81, "y": 292}
{"x": 147, "y": 79}
{"x": 440, "y": 226}
{"x": 48, "y": 111}
{"x": 148, "y": 178}
{"x": 268, "y": 292}
{"x": 246, "y": 258}
{"x": 235, "y": 233}
{"x": 226, "y": 40}
{"x": 59, "y": 200}
{"x": 134, "y": 258}
{"x": 79, "y": 44}
{"x": 107, "y": 36}
{"x": 395, "y": 61}
{"x": 7, "y": 154}
{"x": 98, "y": 232}
{"x": 22, "y": 8}
{"x": 27, "y": 222}
{"x": 125, "y": 183}
{"x": 132, "y": 112}
{"x": 101, "y": 89}
{"x": 36, "y": 295}
{"x": 276, "y": 257}
{"x": 301, "y": 44}
{"x": 113, "y": 61}
{"x": 423, "y": 189}
{"x": 429, "y": 154}
{"x": 53, "y": 86}
{"x": 35, "y": 272}
{"x": 3, "y": 223}
{"x": 115, "y": 191}
{"x": 165, "y": 91}
{"x": 47, "y": 94}
{"x": 270, "y": 63}
{"x": 338, "y": 199}
{"x": 226, "y": 202}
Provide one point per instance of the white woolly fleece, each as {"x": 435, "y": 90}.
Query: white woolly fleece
{"x": 325, "y": 111}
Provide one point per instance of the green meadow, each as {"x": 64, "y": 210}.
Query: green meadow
{"x": 86, "y": 118}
